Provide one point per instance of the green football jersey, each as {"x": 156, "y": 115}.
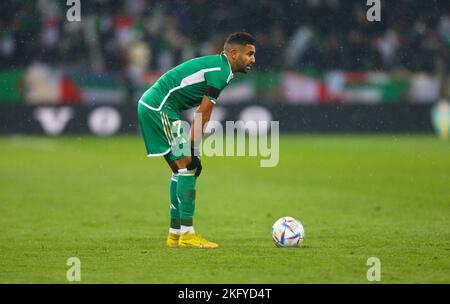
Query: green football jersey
{"x": 184, "y": 86}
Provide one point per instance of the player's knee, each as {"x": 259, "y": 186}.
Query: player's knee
{"x": 184, "y": 162}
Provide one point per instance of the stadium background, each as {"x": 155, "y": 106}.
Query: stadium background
{"x": 321, "y": 68}
{"x": 309, "y": 53}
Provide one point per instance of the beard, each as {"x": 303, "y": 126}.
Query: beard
{"x": 243, "y": 68}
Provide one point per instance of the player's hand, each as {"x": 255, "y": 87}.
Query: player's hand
{"x": 199, "y": 167}
{"x": 195, "y": 164}
{"x": 195, "y": 160}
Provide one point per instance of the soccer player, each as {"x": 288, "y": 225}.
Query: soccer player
{"x": 194, "y": 83}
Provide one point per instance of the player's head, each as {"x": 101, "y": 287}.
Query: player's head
{"x": 240, "y": 49}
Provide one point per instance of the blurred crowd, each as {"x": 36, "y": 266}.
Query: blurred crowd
{"x": 134, "y": 36}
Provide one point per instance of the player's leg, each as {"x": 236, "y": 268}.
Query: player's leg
{"x": 158, "y": 142}
{"x": 186, "y": 189}
{"x": 164, "y": 133}
{"x": 174, "y": 228}
{"x": 186, "y": 192}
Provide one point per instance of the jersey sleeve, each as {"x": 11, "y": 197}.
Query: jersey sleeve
{"x": 216, "y": 81}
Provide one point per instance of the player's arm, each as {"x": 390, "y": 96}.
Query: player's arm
{"x": 201, "y": 118}
{"x": 203, "y": 114}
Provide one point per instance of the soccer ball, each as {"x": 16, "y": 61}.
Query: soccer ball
{"x": 288, "y": 232}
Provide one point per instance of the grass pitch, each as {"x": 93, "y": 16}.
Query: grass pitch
{"x": 103, "y": 201}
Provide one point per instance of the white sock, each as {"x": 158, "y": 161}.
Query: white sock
{"x": 174, "y": 231}
{"x": 187, "y": 229}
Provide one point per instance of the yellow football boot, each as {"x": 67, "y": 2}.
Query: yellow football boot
{"x": 193, "y": 240}
{"x": 172, "y": 240}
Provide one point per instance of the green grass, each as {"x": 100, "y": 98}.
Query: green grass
{"x": 101, "y": 200}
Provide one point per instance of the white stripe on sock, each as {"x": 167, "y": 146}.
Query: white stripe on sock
{"x": 174, "y": 231}
{"x": 187, "y": 229}
{"x": 186, "y": 172}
